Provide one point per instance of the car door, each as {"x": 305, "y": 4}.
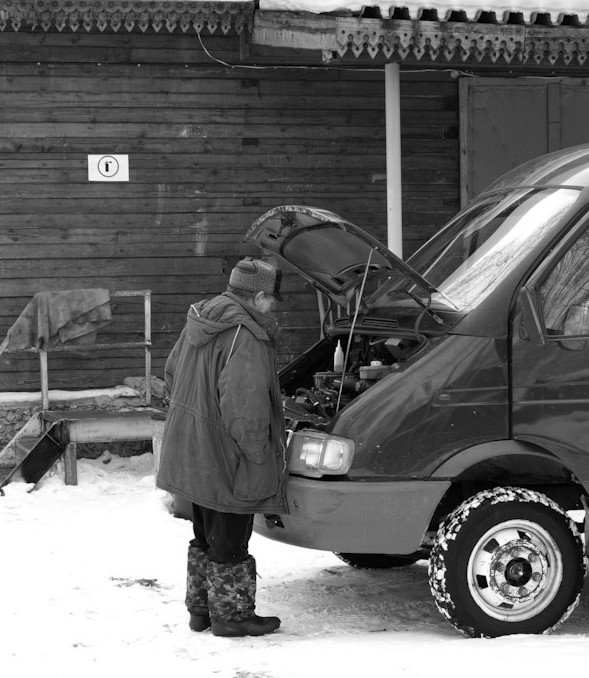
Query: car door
{"x": 550, "y": 356}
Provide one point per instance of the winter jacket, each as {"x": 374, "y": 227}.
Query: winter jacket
{"x": 223, "y": 445}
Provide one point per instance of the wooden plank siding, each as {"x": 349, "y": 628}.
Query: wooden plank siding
{"x": 210, "y": 148}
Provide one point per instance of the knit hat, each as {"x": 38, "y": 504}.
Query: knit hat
{"x": 256, "y": 275}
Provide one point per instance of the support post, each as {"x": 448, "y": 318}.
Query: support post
{"x": 393, "y": 148}
{"x": 70, "y": 464}
{"x": 44, "y": 379}
{"x": 148, "y": 347}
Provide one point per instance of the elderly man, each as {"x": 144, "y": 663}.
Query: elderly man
{"x": 223, "y": 447}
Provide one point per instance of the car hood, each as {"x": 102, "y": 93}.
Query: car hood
{"x": 333, "y": 254}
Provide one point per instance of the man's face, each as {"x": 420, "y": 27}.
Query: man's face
{"x": 265, "y": 303}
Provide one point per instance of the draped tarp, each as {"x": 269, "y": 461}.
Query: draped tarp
{"x": 59, "y": 317}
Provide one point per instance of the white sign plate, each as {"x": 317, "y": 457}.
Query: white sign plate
{"x": 108, "y": 168}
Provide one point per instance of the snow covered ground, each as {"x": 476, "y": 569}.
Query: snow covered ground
{"x": 92, "y": 584}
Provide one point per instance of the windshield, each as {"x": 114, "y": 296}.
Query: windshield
{"x": 468, "y": 258}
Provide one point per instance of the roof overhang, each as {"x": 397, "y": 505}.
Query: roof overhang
{"x": 430, "y": 33}
{"x": 222, "y": 16}
{"x": 421, "y": 41}
{"x": 414, "y": 9}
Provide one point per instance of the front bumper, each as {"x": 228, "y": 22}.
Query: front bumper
{"x": 356, "y": 517}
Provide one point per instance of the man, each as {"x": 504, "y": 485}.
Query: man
{"x": 223, "y": 447}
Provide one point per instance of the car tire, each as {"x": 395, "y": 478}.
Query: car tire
{"x": 507, "y": 560}
{"x": 375, "y": 561}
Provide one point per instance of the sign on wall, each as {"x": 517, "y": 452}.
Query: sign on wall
{"x": 108, "y": 168}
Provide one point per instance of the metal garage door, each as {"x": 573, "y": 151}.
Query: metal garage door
{"x": 504, "y": 122}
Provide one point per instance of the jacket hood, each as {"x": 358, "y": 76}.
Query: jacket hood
{"x": 206, "y": 319}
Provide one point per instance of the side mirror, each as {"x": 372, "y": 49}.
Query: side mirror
{"x": 530, "y": 324}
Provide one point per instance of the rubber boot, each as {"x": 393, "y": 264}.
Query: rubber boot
{"x": 197, "y": 600}
{"x": 232, "y": 595}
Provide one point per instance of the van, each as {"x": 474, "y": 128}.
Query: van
{"x": 458, "y": 428}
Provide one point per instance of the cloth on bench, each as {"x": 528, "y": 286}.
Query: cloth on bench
{"x": 60, "y": 317}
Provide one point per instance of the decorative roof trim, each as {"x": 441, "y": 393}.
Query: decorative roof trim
{"x": 425, "y": 42}
{"x": 126, "y": 15}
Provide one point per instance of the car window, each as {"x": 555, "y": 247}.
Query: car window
{"x": 565, "y": 293}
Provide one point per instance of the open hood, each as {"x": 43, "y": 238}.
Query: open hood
{"x": 332, "y": 254}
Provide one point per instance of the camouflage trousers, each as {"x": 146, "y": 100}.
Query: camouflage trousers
{"x": 224, "y": 590}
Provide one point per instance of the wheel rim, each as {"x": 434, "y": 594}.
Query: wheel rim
{"x": 514, "y": 570}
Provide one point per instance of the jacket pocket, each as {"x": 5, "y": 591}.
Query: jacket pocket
{"x": 256, "y": 482}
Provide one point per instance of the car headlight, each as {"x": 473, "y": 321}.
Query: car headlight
{"x": 317, "y": 454}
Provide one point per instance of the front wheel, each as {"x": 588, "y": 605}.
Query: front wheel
{"x": 508, "y": 560}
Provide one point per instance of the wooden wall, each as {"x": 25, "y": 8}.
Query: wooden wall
{"x": 210, "y": 148}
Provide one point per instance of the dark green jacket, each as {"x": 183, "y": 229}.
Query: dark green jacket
{"x": 224, "y": 442}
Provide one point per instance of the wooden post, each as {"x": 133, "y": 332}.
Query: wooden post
{"x": 44, "y": 380}
{"x": 70, "y": 464}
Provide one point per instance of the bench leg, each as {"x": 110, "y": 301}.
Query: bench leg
{"x": 69, "y": 464}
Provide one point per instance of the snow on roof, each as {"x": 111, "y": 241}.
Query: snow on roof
{"x": 472, "y": 8}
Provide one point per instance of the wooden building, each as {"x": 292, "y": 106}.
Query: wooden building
{"x": 227, "y": 109}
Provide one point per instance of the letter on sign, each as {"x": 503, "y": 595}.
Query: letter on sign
{"x": 108, "y": 168}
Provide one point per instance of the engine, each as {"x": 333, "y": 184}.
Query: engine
{"x": 327, "y": 391}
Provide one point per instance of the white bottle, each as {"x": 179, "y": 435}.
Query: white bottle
{"x": 338, "y": 358}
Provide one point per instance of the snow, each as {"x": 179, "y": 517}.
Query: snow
{"x": 386, "y": 7}
{"x": 59, "y": 397}
{"x": 93, "y": 585}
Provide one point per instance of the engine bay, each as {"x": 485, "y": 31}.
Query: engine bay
{"x": 314, "y": 390}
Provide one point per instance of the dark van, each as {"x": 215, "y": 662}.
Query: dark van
{"x": 458, "y": 429}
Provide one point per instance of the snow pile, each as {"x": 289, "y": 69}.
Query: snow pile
{"x": 93, "y": 585}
